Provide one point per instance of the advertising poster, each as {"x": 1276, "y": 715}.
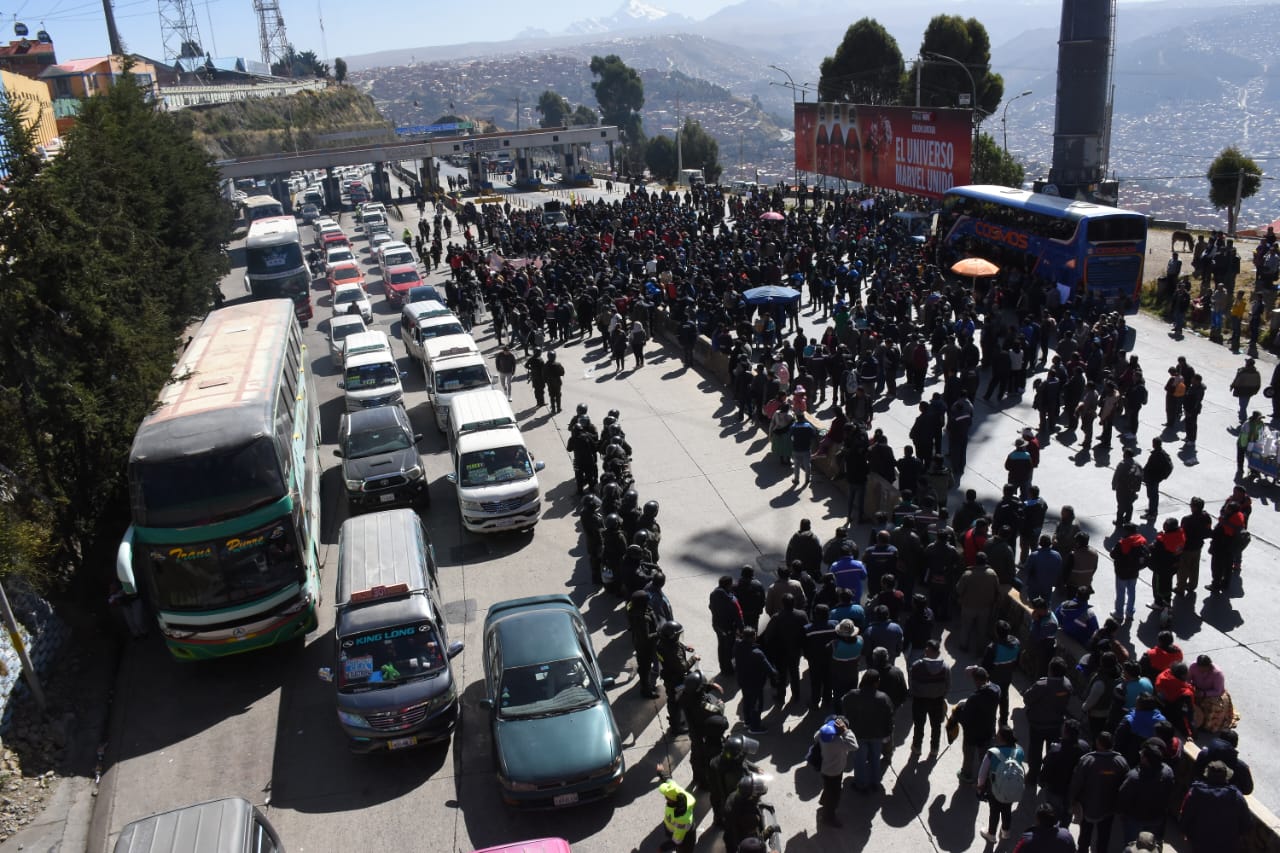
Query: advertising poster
{"x": 913, "y": 150}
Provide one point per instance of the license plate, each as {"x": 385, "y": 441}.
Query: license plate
{"x": 504, "y": 522}
{"x": 565, "y": 799}
{"x": 402, "y": 742}
{"x": 386, "y": 499}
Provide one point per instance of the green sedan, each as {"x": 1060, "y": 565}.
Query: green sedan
{"x": 554, "y": 738}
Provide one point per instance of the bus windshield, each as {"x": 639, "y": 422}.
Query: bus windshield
{"x": 226, "y": 571}
{"x": 385, "y": 657}
{"x": 207, "y": 487}
{"x": 273, "y": 260}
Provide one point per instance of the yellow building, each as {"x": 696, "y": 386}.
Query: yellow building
{"x": 32, "y": 99}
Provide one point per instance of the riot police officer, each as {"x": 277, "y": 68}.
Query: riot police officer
{"x": 612, "y": 550}
{"x": 727, "y": 769}
{"x": 582, "y": 444}
{"x": 699, "y": 701}
{"x": 745, "y": 814}
{"x": 649, "y": 521}
{"x": 643, "y": 628}
{"x": 675, "y": 661}
{"x": 593, "y": 533}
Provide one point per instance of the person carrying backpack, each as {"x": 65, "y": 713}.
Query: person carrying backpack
{"x": 1001, "y": 782}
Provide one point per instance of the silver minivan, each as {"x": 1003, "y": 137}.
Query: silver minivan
{"x": 231, "y": 825}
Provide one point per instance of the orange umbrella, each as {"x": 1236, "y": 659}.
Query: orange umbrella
{"x": 974, "y": 267}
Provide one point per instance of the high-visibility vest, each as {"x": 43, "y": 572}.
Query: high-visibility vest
{"x": 678, "y": 823}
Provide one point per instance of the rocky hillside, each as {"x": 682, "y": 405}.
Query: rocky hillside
{"x": 339, "y": 115}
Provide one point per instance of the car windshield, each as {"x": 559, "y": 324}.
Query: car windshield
{"x": 403, "y": 277}
{"x": 342, "y": 331}
{"x": 495, "y": 465}
{"x": 392, "y": 259}
{"x": 371, "y": 376}
{"x": 390, "y": 656}
{"x": 441, "y": 329}
{"x": 350, "y": 294}
{"x": 462, "y": 378}
{"x": 547, "y": 689}
{"x": 337, "y": 256}
{"x": 371, "y": 442}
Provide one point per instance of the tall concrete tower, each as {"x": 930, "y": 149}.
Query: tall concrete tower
{"x": 272, "y": 40}
{"x": 179, "y": 32}
{"x": 1082, "y": 126}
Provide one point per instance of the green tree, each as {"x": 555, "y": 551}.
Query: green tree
{"x": 866, "y": 68}
{"x": 620, "y": 93}
{"x": 299, "y": 65}
{"x": 1233, "y": 177}
{"x": 555, "y": 109}
{"x": 943, "y": 81}
{"x": 89, "y": 328}
{"x": 584, "y": 116}
{"x": 660, "y": 157}
{"x": 340, "y": 70}
{"x": 993, "y": 165}
{"x": 699, "y": 150}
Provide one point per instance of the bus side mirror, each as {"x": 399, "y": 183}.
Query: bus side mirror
{"x": 451, "y": 477}
{"x": 325, "y": 674}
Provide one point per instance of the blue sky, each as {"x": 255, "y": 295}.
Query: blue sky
{"x": 229, "y": 27}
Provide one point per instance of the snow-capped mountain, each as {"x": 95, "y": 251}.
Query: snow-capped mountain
{"x": 632, "y": 15}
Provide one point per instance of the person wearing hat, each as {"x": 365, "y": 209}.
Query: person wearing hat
{"x": 1214, "y": 814}
{"x": 1126, "y": 483}
{"x": 846, "y": 659}
{"x": 677, "y": 817}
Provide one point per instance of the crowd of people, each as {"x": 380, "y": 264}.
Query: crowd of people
{"x": 865, "y": 615}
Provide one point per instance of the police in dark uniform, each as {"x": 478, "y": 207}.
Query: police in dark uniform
{"x": 675, "y": 660}
{"x": 582, "y": 444}
{"x": 612, "y": 550}
{"x": 727, "y": 769}
{"x": 643, "y": 628}
{"x": 649, "y": 521}
{"x": 593, "y": 533}
{"x": 744, "y": 815}
{"x": 699, "y": 701}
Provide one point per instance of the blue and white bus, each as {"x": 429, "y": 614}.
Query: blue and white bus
{"x": 1095, "y": 250}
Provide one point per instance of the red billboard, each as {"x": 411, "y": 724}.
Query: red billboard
{"x": 910, "y": 149}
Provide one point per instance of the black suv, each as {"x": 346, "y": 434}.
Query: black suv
{"x": 381, "y": 467}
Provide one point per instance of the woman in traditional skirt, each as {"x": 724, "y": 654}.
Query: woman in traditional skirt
{"x": 780, "y": 433}
{"x": 1214, "y": 711}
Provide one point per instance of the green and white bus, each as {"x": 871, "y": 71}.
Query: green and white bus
{"x": 224, "y": 488}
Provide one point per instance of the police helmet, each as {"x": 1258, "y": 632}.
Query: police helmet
{"x": 670, "y": 630}
{"x": 613, "y": 413}
{"x": 614, "y": 451}
{"x": 582, "y": 409}
{"x": 609, "y": 422}
{"x": 651, "y": 509}
{"x": 591, "y": 503}
{"x": 735, "y": 748}
{"x": 635, "y": 552}
{"x": 753, "y": 785}
{"x": 611, "y": 492}
{"x": 642, "y": 538}
{"x": 612, "y": 521}
{"x": 630, "y": 498}
{"x": 694, "y": 680}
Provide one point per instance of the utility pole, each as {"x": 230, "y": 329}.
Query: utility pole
{"x": 28, "y": 670}
{"x": 113, "y": 35}
{"x": 679, "y": 150}
{"x": 1235, "y": 211}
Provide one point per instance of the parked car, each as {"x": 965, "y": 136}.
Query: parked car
{"x": 381, "y": 467}
{"x": 351, "y": 299}
{"x": 340, "y": 328}
{"x": 554, "y": 737}
{"x": 347, "y": 272}
{"x": 397, "y": 281}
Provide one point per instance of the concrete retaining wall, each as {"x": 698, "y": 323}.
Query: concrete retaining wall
{"x": 42, "y": 633}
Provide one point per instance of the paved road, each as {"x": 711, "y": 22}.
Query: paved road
{"x": 263, "y": 726}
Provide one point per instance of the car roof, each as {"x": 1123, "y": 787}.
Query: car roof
{"x": 402, "y": 268}
{"x": 488, "y": 439}
{"x": 538, "y": 630}
{"x": 212, "y": 827}
{"x": 375, "y": 338}
{"x": 379, "y": 417}
{"x": 343, "y": 288}
{"x": 346, "y": 320}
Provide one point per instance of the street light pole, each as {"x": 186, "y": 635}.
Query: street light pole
{"x": 795, "y": 174}
{"x": 973, "y": 88}
{"x": 1004, "y": 118}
